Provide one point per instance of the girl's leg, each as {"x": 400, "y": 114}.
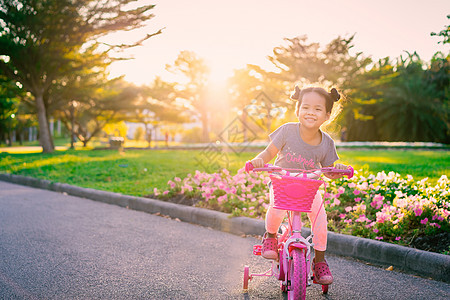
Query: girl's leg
{"x": 318, "y": 219}
{"x": 274, "y": 217}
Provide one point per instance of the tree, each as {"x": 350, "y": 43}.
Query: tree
{"x": 411, "y": 109}
{"x": 157, "y": 106}
{"x": 405, "y": 101}
{"x": 95, "y": 108}
{"x": 444, "y": 33}
{"x": 42, "y": 42}
{"x": 194, "y": 91}
{"x": 298, "y": 62}
{"x": 365, "y": 92}
{"x": 260, "y": 97}
{"x": 306, "y": 63}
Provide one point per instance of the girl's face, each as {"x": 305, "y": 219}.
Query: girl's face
{"x": 312, "y": 111}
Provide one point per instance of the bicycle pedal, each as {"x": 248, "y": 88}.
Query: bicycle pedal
{"x": 257, "y": 249}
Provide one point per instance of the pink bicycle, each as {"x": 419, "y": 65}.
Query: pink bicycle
{"x": 294, "y": 193}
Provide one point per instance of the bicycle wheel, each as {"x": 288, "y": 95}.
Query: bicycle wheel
{"x": 297, "y": 275}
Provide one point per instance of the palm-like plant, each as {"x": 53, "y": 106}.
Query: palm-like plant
{"x": 411, "y": 109}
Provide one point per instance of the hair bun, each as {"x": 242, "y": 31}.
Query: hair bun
{"x": 334, "y": 95}
{"x": 296, "y": 94}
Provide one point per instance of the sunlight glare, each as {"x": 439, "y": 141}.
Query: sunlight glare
{"x": 220, "y": 72}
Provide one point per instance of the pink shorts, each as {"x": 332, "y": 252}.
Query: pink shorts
{"x": 274, "y": 217}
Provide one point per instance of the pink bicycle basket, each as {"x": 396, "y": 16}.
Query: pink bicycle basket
{"x": 295, "y": 193}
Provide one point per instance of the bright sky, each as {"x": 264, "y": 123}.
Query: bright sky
{"x": 230, "y": 34}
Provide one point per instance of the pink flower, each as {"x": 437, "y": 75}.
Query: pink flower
{"x": 378, "y": 197}
{"x": 424, "y": 221}
{"x": 362, "y": 218}
{"x": 375, "y": 230}
{"x": 351, "y": 185}
{"x": 155, "y": 191}
{"x": 398, "y": 238}
{"x": 377, "y": 201}
{"x": 342, "y": 216}
{"x": 165, "y": 192}
{"x": 418, "y": 211}
{"x": 222, "y": 198}
{"x": 370, "y": 224}
{"x": 379, "y": 237}
{"x": 382, "y": 217}
{"x": 440, "y": 218}
{"x": 187, "y": 187}
{"x": 171, "y": 184}
{"x": 348, "y": 209}
{"x": 356, "y": 192}
{"x": 357, "y": 199}
{"x": 177, "y": 179}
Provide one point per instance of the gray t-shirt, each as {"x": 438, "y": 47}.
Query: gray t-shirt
{"x": 296, "y": 154}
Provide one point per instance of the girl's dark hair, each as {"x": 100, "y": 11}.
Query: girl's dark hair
{"x": 330, "y": 98}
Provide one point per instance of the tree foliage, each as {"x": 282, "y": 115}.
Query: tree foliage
{"x": 44, "y": 42}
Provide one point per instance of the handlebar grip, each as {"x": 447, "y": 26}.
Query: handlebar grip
{"x": 352, "y": 171}
{"x": 349, "y": 172}
{"x": 267, "y": 167}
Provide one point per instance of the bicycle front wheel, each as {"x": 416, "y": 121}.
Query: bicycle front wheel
{"x": 297, "y": 274}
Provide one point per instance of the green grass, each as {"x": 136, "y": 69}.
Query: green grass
{"x": 137, "y": 172}
{"x": 419, "y": 164}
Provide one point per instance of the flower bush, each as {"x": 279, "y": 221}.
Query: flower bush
{"x": 243, "y": 194}
{"x": 384, "y": 206}
{"x": 388, "y": 207}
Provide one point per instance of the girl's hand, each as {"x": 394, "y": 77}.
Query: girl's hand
{"x": 341, "y": 167}
{"x": 336, "y": 175}
{"x": 257, "y": 162}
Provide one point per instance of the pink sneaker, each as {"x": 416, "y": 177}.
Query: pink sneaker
{"x": 269, "y": 247}
{"x": 321, "y": 273}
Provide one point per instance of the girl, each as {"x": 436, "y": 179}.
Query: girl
{"x": 303, "y": 145}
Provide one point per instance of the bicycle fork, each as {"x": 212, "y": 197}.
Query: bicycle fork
{"x": 296, "y": 241}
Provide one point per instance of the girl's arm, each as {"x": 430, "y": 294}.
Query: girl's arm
{"x": 336, "y": 175}
{"x": 265, "y": 156}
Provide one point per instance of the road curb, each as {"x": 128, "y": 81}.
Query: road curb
{"x": 419, "y": 262}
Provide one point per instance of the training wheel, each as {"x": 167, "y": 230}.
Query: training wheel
{"x": 325, "y": 288}
{"x": 246, "y": 276}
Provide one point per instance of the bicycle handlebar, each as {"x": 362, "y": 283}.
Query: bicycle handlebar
{"x": 270, "y": 168}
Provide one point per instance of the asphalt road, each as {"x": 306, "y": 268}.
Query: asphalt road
{"x": 55, "y": 246}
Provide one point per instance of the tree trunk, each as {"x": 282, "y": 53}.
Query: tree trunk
{"x": 45, "y": 138}
{"x": 204, "y": 118}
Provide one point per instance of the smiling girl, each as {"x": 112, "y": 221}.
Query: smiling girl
{"x": 303, "y": 145}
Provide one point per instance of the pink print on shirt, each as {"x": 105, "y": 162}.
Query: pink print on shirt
{"x": 300, "y": 159}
